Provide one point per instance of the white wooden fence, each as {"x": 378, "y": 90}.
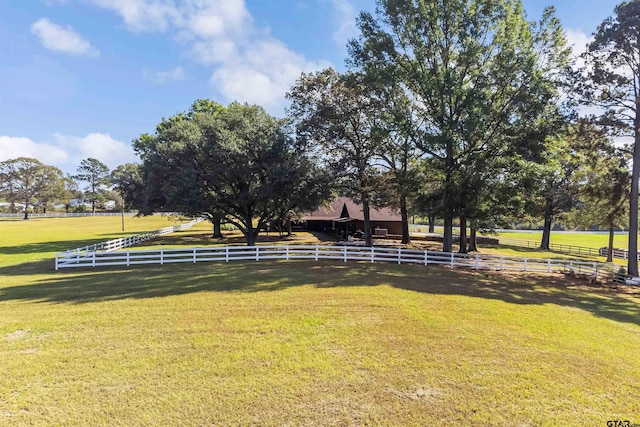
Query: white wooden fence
{"x": 345, "y": 253}
{"x": 121, "y": 243}
{"x": 617, "y": 253}
{"x": 556, "y": 247}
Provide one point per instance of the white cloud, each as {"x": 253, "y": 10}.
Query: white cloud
{"x": 143, "y": 15}
{"x": 217, "y": 19}
{"x": 346, "y": 14}
{"x": 66, "y": 152}
{"x": 60, "y": 39}
{"x": 100, "y": 146}
{"x": 578, "y": 41}
{"x": 249, "y": 64}
{"x": 13, "y": 147}
{"x": 160, "y": 77}
{"x": 262, "y": 74}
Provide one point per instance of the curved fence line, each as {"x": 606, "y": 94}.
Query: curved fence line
{"x": 569, "y": 249}
{"x": 121, "y": 243}
{"x": 345, "y": 253}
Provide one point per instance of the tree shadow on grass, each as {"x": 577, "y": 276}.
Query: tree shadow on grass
{"x": 48, "y": 247}
{"x": 84, "y": 286}
{"x": 537, "y": 253}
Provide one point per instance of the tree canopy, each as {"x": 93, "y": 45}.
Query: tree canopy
{"x": 611, "y": 81}
{"x": 337, "y": 119}
{"x": 96, "y": 175}
{"x": 29, "y": 182}
{"x": 237, "y": 160}
{"x": 473, "y": 70}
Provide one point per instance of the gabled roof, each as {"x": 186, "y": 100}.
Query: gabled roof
{"x": 344, "y": 207}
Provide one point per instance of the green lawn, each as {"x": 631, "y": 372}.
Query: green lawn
{"x": 588, "y": 240}
{"x": 303, "y": 343}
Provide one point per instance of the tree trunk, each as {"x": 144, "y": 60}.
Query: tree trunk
{"x": 406, "y": 238}
{"x": 432, "y": 224}
{"x": 368, "y": 239}
{"x": 217, "y": 226}
{"x": 463, "y": 235}
{"x": 546, "y": 231}
{"x": 610, "y": 247}
{"x": 632, "y": 266}
{"x": 26, "y": 207}
{"x": 251, "y": 236}
{"x": 93, "y": 206}
{"x": 289, "y": 232}
{"x": 447, "y": 240}
{"x": 473, "y": 243}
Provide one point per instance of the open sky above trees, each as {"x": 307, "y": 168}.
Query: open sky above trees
{"x": 83, "y": 78}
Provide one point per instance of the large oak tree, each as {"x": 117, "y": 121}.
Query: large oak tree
{"x": 237, "y": 160}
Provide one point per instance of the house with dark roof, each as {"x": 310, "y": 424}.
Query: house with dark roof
{"x": 346, "y": 215}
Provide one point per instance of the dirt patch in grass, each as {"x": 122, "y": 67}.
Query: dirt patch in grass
{"x": 16, "y": 335}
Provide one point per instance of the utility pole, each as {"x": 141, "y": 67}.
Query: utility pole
{"x": 122, "y": 197}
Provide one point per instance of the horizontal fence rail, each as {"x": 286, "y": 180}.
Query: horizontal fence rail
{"x": 616, "y": 253}
{"x": 77, "y": 214}
{"x": 339, "y": 253}
{"x": 64, "y": 258}
{"x": 569, "y": 249}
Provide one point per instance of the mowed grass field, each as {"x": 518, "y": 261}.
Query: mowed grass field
{"x": 587, "y": 240}
{"x": 302, "y": 343}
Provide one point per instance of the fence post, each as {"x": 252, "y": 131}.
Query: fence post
{"x": 595, "y": 270}
{"x": 128, "y": 259}
{"x": 226, "y": 254}
{"x": 257, "y": 253}
{"x": 451, "y": 259}
{"x": 525, "y": 264}
{"x": 93, "y": 260}
{"x": 426, "y": 257}
{"x": 570, "y": 266}
{"x": 345, "y": 253}
{"x": 399, "y": 255}
{"x": 287, "y": 250}
{"x": 161, "y": 256}
{"x": 549, "y": 265}
{"x": 316, "y": 251}
{"x": 195, "y": 257}
{"x": 477, "y": 262}
{"x": 372, "y": 254}
{"x": 501, "y": 262}
{"x": 56, "y": 262}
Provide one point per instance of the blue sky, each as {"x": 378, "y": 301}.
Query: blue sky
{"x": 83, "y": 78}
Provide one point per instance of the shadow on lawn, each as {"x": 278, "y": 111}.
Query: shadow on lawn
{"x": 538, "y": 253}
{"x": 85, "y": 286}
